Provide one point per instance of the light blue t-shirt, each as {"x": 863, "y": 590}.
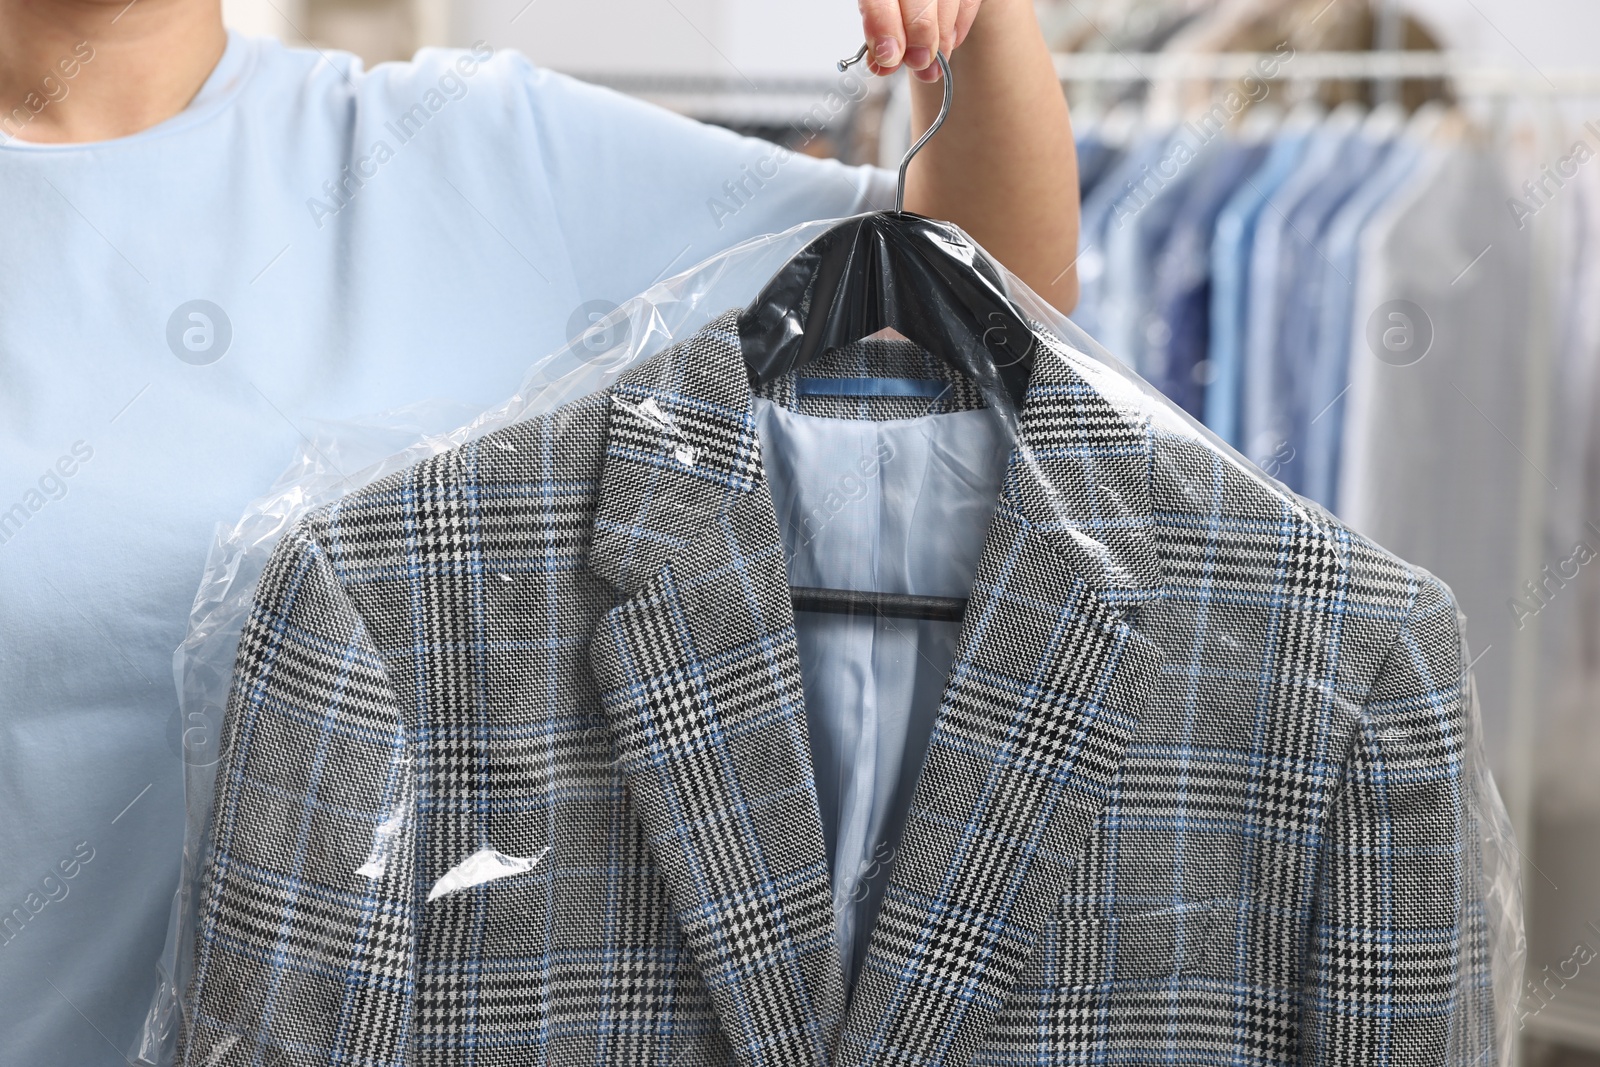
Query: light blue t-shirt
{"x": 362, "y": 240}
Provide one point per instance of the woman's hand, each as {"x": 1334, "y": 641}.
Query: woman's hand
{"x": 1003, "y": 166}
{"x": 909, "y": 32}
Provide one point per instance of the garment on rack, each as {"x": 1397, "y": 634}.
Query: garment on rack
{"x": 1107, "y": 138}
{"x": 1140, "y": 225}
{"x": 1230, "y": 26}
{"x": 1096, "y": 156}
{"x": 1435, "y": 416}
{"x": 1230, "y": 266}
{"x": 1267, "y": 427}
{"x": 1556, "y": 607}
{"x": 1119, "y": 25}
{"x": 1176, "y": 360}
{"x": 1304, "y": 268}
{"x": 1293, "y": 27}
{"x": 1328, "y": 380}
{"x": 1563, "y": 600}
{"x": 1111, "y": 200}
{"x": 1108, "y": 25}
{"x": 1224, "y": 27}
{"x": 1307, "y": 274}
{"x": 518, "y": 760}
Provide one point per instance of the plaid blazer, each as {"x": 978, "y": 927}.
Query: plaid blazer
{"x": 1195, "y": 792}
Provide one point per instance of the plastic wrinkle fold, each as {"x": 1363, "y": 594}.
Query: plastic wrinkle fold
{"x": 480, "y": 868}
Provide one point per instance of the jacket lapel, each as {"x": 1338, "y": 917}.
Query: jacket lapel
{"x": 1048, "y": 686}
{"x": 701, "y": 689}
{"x": 700, "y": 685}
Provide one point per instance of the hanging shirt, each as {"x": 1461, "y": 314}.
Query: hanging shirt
{"x": 1100, "y": 212}
{"x": 1302, "y": 264}
{"x": 1176, "y": 358}
{"x": 1266, "y": 432}
{"x": 1096, "y": 157}
{"x": 1230, "y": 269}
{"x": 308, "y": 240}
{"x": 1442, "y": 308}
{"x": 1329, "y": 378}
{"x": 1139, "y": 226}
{"x": 1569, "y": 623}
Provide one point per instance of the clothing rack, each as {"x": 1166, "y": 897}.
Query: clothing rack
{"x": 1469, "y": 77}
{"x": 768, "y": 96}
{"x": 1495, "y": 85}
{"x": 775, "y": 101}
{"x": 784, "y": 100}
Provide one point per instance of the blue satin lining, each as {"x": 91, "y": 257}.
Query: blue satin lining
{"x": 900, "y": 506}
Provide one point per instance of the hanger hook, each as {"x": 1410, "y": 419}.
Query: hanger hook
{"x": 846, "y": 64}
{"x": 944, "y": 111}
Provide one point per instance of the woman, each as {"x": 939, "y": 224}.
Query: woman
{"x": 210, "y": 242}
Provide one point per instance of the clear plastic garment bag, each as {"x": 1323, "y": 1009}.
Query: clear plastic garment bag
{"x": 832, "y": 656}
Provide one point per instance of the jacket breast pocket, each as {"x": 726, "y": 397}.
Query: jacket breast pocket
{"x": 1138, "y": 947}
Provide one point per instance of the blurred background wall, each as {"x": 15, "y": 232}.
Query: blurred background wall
{"x": 765, "y": 37}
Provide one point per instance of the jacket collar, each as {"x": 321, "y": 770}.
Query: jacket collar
{"x": 700, "y": 684}
{"x": 682, "y": 446}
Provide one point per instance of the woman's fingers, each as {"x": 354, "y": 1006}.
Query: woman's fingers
{"x": 965, "y": 14}
{"x": 885, "y": 34}
{"x": 923, "y": 34}
{"x": 911, "y": 31}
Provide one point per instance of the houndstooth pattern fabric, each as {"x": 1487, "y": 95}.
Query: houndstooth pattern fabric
{"x": 1194, "y": 795}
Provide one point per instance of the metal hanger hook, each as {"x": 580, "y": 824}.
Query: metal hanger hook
{"x": 933, "y": 128}
{"x": 846, "y": 64}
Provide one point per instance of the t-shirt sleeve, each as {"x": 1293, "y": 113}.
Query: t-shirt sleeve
{"x": 642, "y": 192}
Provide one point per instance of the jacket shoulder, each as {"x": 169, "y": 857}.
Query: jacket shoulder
{"x": 1227, "y": 532}
{"x": 503, "y": 494}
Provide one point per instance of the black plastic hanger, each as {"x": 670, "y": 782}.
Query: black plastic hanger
{"x": 925, "y": 279}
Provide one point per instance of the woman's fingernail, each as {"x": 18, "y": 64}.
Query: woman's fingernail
{"x": 918, "y": 57}
{"x": 888, "y": 50}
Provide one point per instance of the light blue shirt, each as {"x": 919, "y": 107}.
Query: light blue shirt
{"x": 1266, "y": 429}
{"x": 858, "y": 503}
{"x": 1140, "y": 223}
{"x": 1094, "y": 233}
{"x": 1298, "y": 289}
{"x": 1329, "y": 376}
{"x": 1230, "y": 271}
{"x": 363, "y": 240}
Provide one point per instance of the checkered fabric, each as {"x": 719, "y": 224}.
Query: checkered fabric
{"x": 1195, "y": 793}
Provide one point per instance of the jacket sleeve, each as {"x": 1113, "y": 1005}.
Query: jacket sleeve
{"x": 304, "y": 947}
{"x": 1397, "y": 970}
